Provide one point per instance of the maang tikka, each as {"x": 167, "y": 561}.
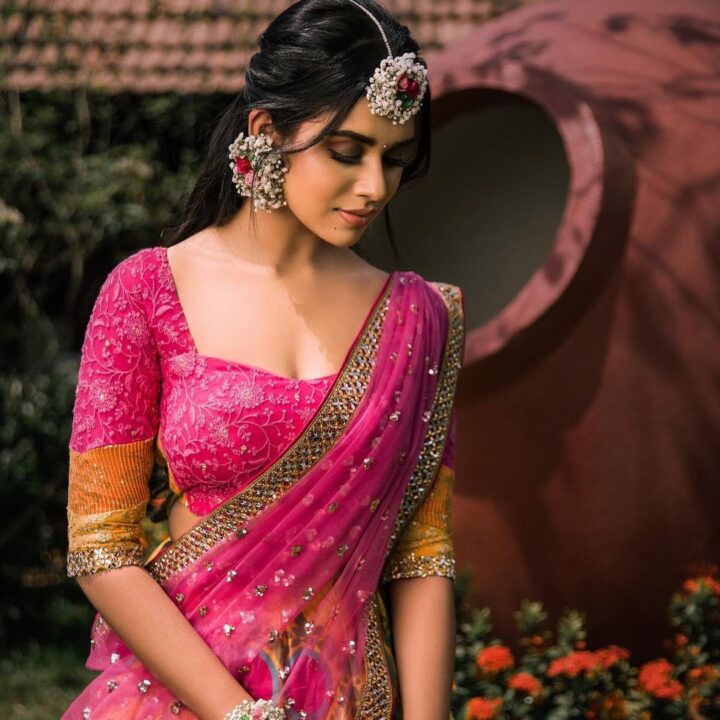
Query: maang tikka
{"x": 396, "y": 91}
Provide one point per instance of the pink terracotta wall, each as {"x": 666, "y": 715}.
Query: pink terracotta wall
{"x": 589, "y": 409}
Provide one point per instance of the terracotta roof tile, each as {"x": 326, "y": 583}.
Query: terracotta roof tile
{"x": 174, "y": 45}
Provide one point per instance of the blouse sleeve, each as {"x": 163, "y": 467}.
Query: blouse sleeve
{"x": 425, "y": 547}
{"x": 114, "y": 426}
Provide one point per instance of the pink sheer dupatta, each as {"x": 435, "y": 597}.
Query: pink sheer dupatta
{"x": 295, "y": 558}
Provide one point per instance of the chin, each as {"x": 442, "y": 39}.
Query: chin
{"x": 344, "y": 240}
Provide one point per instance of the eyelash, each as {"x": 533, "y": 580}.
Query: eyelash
{"x": 352, "y": 160}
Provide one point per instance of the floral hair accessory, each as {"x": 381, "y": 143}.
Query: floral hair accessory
{"x": 256, "y": 164}
{"x": 398, "y": 85}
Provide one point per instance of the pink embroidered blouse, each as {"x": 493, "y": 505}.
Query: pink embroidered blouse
{"x": 144, "y": 390}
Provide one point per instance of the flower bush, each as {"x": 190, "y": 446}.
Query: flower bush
{"x": 553, "y": 676}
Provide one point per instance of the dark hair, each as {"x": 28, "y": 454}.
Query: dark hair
{"x": 315, "y": 59}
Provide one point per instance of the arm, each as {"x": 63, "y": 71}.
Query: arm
{"x": 423, "y": 617}
{"x": 160, "y": 636}
{"x": 115, "y": 424}
{"x": 421, "y": 570}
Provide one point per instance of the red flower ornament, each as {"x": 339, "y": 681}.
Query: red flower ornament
{"x": 408, "y": 86}
{"x": 243, "y": 165}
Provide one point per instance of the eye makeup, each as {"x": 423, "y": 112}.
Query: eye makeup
{"x": 355, "y": 159}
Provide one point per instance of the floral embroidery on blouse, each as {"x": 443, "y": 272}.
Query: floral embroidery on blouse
{"x": 219, "y": 423}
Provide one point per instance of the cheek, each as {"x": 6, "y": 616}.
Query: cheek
{"x": 312, "y": 184}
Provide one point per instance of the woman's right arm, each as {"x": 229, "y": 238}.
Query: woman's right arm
{"x": 115, "y": 425}
{"x": 154, "y": 628}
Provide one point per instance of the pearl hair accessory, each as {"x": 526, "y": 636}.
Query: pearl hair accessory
{"x": 254, "y": 162}
{"x": 398, "y": 85}
{"x": 396, "y": 91}
{"x": 258, "y": 710}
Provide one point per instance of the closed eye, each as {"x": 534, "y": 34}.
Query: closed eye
{"x": 355, "y": 159}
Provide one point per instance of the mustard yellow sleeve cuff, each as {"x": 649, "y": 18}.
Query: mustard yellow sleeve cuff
{"x": 108, "y": 494}
{"x": 425, "y": 548}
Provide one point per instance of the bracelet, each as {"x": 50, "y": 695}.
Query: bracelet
{"x": 248, "y": 710}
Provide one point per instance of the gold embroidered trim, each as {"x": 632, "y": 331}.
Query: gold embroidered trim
{"x": 412, "y": 566}
{"x": 376, "y": 703}
{"x": 318, "y": 437}
{"x": 92, "y": 560}
{"x": 439, "y": 423}
{"x": 379, "y": 703}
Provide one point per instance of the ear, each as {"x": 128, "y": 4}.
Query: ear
{"x": 260, "y": 121}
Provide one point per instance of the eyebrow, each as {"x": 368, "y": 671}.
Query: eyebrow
{"x": 368, "y": 140}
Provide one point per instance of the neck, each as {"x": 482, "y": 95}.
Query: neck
{"x": 276, "y": 241}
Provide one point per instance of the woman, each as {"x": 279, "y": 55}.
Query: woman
{"x": 309, "y": 563}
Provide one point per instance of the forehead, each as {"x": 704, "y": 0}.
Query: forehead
{"x": 361, "y": 120}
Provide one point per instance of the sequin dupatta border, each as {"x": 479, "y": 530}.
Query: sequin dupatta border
{"x": 439, "y": 423}
{"x": 376, "y": 703}
{"x": 330, "y": 421}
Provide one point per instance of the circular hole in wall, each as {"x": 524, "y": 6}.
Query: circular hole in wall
{"x": 486, "y": 215}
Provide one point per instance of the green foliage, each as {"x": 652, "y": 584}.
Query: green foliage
{"x": 37, "y": 682}
{"x": 88, "y": 178}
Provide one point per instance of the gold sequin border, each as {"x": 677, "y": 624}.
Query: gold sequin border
{"x": 442, "y": 564}
{"x": 330, "y": 421}
{"x": 376, "y": 702}
{"x": 439, "y": 422}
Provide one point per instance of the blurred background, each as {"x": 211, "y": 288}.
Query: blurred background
{"x": 575, "y": 197}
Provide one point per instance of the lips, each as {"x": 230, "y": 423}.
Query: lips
{"x": 354, "y": 219}
{"x": 361, "y": 213}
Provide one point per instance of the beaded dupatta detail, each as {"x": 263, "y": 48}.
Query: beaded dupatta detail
{"x": 324, "y": 430}
{"x": 377, "y": 700}
{"x": 439, "y": 421}
{"x": 295, "y": 558}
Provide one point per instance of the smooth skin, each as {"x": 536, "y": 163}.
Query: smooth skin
{"x": 287, "y": 296}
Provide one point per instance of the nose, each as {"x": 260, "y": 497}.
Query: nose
{"x": 372, "y": 183}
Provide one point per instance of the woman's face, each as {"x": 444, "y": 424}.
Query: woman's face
{"x": 358, "y": 167}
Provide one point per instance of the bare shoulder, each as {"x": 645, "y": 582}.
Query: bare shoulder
{"x": 189, "y": 246}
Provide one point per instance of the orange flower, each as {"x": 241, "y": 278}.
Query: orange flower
{"x": 681, "y": 640}
{"x": 703, "y": 674}
{"x": 609, "y": 656}
{"x": 693, "y": 584}
{"x": 573, "y": 664}
{"x": 482, "y": 708}
{"x": 525, "y": 683}
{"x": 655, "y": 679}
{"x": 494, "y": 658}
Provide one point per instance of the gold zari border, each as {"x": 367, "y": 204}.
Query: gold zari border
{"x": 96, "y": 559}
{"x": 313, "y": 443}
{"x": 412, "y": 565}
{"x": 378, "y": 705}
{"x": 439, "y": 423}
{"x": 376, "y": 702}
